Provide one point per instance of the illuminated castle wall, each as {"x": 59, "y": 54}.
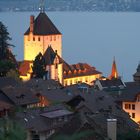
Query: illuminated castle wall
{"x": 39, "y": 36}
{"x": 43, "y": 37}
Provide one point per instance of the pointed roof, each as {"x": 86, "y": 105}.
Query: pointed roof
{"x": 49, "y": 56}
{"x": 114, "y": 72}
{"x": 136, "y": 76}
{"x": 43, "y": 26}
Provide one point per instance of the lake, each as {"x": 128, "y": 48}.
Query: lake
{"x": 89, "y": 37}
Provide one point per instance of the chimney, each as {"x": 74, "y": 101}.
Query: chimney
{"x": 31, "y": 23}
{"x": 112, "y": 129}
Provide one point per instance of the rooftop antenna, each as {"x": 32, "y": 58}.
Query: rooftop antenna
{"x": 42, "y": 6}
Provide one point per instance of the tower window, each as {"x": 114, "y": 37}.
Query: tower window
{"x": 28, "y": 38}
{"x": 50, "y": 38}
{"x": 54, "y": 38}
{"x": 38, "y": 38}
{"x": 33, "y": 38}
{"x": 133, "y": 115}
{"x": 56, "y": 66}
{"x": 133, "y": 107}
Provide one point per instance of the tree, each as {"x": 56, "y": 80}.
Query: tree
{"x": 7, "y": 59}
{"x": 4, "y": 45}
{"x": 13, "y": 74}
{"x": 39, "y": 67}
{"x": 11, "y": 130}
{"x": 83, "y": 135}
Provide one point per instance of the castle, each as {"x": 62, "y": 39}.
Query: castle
{"x": 43, "y": 37}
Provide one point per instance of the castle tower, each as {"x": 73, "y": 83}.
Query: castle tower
{"x": 41, "y": 33}
{"x": 114, "y": 72}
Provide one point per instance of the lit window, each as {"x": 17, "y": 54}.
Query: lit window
{"x": 75, "y": 81}
{"x": 133, "y": 115}
{"x": 66, "y": 83}
{"x": 127, "y": 106}
{"x": 70, "y": 82}
{"x": 86, "y": 79}
{"x": 133, "y": 107}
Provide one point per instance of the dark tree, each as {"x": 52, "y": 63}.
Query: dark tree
{"x": 39, "y": 67}
{"x": 5, "y": 52}
{"x": 11, "y": 130}
{"x": 7, "y": 59}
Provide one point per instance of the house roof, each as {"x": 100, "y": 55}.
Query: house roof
{"x": 95, "y": 110}
{"x": 7, "y": 81}
{"x": 20, "y": 95}
{"x": 79, "y": 69}
{"x": 56, "y": 113}
{"x": 43, "y": 26}
{"x": 33, "y": 119}
{"x": 101, "y": 105}
{"x": 49, "y": 56}
{"x": 57, "y": 95}
{"x": 24, "y": 67}
{"x": 130, "y": 93}
{"x": 42, "y": 85}
{"x": 4, "y": 98}
{"x": 111, "y": 83}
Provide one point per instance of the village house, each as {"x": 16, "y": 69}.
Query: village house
{"x": 43, "y": 123}
{"x": 130, "y": 99}
{"x": 90, "y": 110}
{"x": 20, "y": 96}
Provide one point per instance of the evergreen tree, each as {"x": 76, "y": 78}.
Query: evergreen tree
{"x": 39, "y": 68}
{"x": 7, "y": 59}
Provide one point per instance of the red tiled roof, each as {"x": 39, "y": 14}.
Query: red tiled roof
{"x": 80, "y": 69}
{"x": 24, "y": 68}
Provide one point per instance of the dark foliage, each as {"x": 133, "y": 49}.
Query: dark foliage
{"x": 7, "y": 59}
{"x": 39, "y": 68}
{"x": 11, "y": 130}
{"x": 132, "y": 135}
